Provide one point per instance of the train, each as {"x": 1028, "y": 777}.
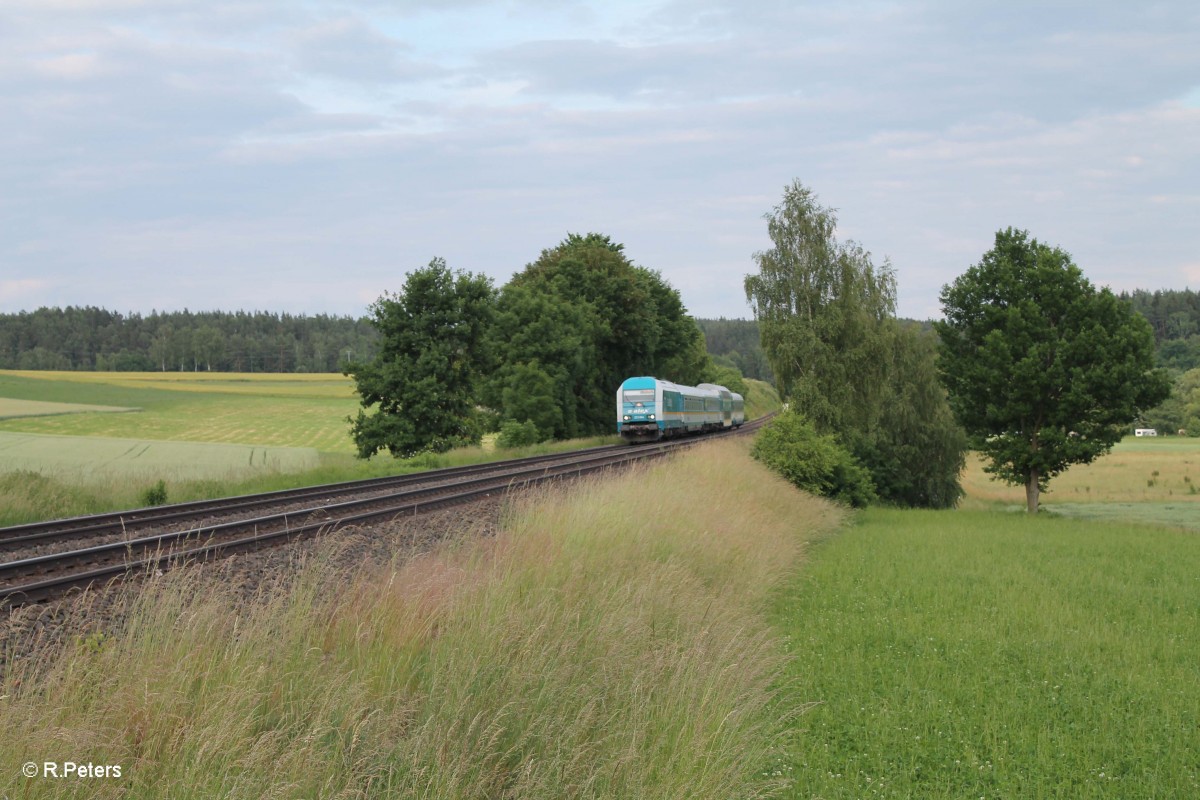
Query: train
{"x": 649, "y": 409}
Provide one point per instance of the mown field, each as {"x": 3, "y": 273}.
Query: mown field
{"x": 1148, "y": 480}
{"x": 261, "y": 409}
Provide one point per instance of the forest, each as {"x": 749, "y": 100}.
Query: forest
{"x": 90, "y": 338}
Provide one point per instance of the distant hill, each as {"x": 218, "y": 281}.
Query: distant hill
{"x": 735, "y": 343}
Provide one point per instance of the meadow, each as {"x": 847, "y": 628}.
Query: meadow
{"x": 983, "y": 654}
{"x": 607, "y": 642}
{"x": 1151, "y": 480}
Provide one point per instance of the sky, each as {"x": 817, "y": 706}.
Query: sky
{"x": 304, "y": 155}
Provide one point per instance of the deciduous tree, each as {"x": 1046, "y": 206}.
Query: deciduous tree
{"x": 424, "y": 379}
{"x": 827, "y": 318}
{"x": 588, "y": 318}
{"x": 1043, "y": 369}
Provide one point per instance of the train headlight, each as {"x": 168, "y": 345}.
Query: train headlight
{"x": 626, "y": 417}
{"x": 651, "y": 416}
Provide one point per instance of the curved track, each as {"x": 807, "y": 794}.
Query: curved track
{"x": 46, "y": 560}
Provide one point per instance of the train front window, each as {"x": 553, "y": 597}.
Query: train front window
{"x": 639, "y": 396}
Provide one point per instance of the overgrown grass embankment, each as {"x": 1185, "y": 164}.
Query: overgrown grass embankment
{"x": 977, "y": 654}
{"x": 762, "y": 399}
{"x": 608, "y": 643}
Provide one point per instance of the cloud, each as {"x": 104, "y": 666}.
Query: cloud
{"x": 254, "y": 149}
{"x": 348, "y": 49}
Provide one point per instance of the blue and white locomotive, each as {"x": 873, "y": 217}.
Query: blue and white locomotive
{"x": 649, "y": 409}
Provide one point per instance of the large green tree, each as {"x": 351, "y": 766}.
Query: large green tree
{"x": 822, "y": 307}
{"x": 574, "y": 324}
{"x": 917, "y": 450}
{"x": 425, "y": 377}
{"x": 826, "y": 314}
{"x": 1043, "y": 369}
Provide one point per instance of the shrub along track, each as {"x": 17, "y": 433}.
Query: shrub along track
{"x": 45, "y": 561}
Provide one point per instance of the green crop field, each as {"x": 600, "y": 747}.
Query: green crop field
{"x": 78, "y": 458}
{"x": 10, "y": 408}
{"x": 204, "y": 435}
{"x": 271, "y": 410}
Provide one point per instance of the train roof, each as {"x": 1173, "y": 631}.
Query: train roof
{"x": 647, "y": 382}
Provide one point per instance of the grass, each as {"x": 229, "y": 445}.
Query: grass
{"x": 1143, "y": 480}
{"x": 609, "y": 643}
{"x": 978, "y": 654}
{"x": 75, "y": 459}
{"x": 762, "y": 400}
{"x": 268, "y": 410}
{"x": 10, "y": 408}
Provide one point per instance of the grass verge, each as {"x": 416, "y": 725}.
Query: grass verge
{"x": 975, "y": 654}
{"x": 609, "y": 642}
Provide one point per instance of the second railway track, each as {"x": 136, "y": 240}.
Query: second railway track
{"x": 45, "y": 560}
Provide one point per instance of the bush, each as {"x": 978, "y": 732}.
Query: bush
{"x": 518, "y": 434}
{"x": 156, "y": 495}
{"x": 814, "y": 462}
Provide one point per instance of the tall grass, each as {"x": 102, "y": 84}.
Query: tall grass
{"x": 609, "y": 643}
{"x": 975, "y": 654}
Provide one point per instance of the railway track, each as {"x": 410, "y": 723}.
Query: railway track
{"x": 44, "y": 561}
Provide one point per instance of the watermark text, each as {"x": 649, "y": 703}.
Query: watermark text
{"x": 69, "y": 769}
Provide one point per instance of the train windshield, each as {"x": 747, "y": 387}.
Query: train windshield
{"x": 639, "y": 396}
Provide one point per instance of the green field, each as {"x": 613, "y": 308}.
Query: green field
{"x": 983, "y": 654}
{"x": 272, "y": 410}
{"x": 80, "y": 458}
{"x": 11, "y": 409}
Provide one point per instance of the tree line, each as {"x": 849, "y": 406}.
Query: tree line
{"x": 1174, "y": 317}
{"x": 89, "y": 338}
{"x": 540, "y": 357}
